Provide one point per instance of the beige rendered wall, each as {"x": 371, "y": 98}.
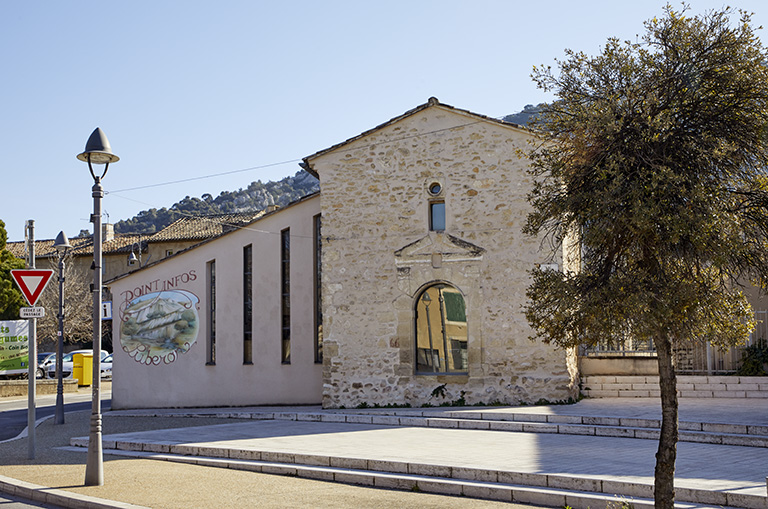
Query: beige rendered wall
{"x": 187, "y": 381}
{"x": 378, "y": 256}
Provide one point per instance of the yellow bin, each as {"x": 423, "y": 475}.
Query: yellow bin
{"x": 82, "y": 368}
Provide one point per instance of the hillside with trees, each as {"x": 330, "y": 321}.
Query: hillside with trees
{"x": 256, "y": 196}
{"x": 529, "y": 113}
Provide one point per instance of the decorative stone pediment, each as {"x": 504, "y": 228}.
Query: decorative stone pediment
{"x": 443, "y": 245}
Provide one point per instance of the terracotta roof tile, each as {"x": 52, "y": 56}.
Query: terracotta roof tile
{"x": 204, "y": 227}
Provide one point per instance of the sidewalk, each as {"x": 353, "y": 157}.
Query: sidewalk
{"x": 578, "y": 456}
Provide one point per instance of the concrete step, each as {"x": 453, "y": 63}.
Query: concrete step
{"x": 525, "y": 488}
{"x": 688, "y": 386}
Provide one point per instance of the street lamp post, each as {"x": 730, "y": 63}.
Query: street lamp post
{"x": 97, "y": 151}
{"x": 62, "y": 246}
{"x": 427, "y": 301}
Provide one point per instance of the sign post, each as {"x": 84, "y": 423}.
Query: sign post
{"x": 32, "y": 282}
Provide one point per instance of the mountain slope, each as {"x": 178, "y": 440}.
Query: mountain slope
{"x": 256, "y": 196}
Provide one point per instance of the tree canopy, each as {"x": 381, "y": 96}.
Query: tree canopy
{"x": 653, "y": 158}
{"x": 10, "y": 296}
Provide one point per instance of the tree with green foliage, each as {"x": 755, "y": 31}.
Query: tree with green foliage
{"x": 10, "y": 296}
{"x": 654, "y": 158}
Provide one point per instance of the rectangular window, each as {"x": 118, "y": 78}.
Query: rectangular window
{"x": 248, "y": 304}
{"x": 211, "y": 346}
{"x": 318, "y": 293}
{"x": 285, "y": 286}
{"x": 437, "y": 216}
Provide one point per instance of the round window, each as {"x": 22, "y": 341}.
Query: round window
{"x": 435, "y": 188}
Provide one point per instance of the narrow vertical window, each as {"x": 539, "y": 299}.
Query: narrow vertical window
{"x": 285, "y": 286}
{"x": 248, "y": 304}
{"x": 211, "y": 347}
{"x": 318, "y": 293}
{"x": 437, "y": 216}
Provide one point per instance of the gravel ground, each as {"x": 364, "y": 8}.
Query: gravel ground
{"x": 163, "y": 484}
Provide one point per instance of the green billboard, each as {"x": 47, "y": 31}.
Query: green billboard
{"x": 14, "y": 346}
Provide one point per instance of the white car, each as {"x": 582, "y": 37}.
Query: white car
{"x": 44, "y": 359}
{"x": 106, "y": 367}
{"x": 68, "y": 362}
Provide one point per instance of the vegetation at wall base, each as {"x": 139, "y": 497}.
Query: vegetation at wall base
{"x": 754, "y": 359}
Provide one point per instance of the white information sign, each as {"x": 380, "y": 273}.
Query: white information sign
{"x": 106, "y": 310}
{"x": 35, "y": 312}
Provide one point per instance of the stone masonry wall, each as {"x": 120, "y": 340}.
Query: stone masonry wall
{"x": 378, "y": 254}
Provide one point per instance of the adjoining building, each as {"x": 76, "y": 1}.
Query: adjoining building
{"x": 227, "y": 322}
{"x": 401, "y": 283}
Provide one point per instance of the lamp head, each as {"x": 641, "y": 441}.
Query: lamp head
{"x": 97, "y": 149}
{"x": 61, "y": 243}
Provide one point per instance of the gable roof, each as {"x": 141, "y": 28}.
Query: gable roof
{"x": 431, "y": 103}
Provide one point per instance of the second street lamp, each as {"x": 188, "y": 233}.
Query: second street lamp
{"x": 62, "y": 246}
{"x": 97, "y": 151}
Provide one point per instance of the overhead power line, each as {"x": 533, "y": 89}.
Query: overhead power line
{"x": 290, "y": 161}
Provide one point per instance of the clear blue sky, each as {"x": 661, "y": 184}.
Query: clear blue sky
{"x": 185, "y": 89}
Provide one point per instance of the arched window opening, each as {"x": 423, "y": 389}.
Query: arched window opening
{"x": 441, "y": 331}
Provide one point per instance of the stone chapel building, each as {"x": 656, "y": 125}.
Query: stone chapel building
{"x": 402, "y": 283}
{"x": 425, "y": 266}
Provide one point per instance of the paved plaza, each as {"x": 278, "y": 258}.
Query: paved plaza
{"x": 582, "y": 455}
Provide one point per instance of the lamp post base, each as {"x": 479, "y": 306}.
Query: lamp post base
{"x": 94, "y": 467}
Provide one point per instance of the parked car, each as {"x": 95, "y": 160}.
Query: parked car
{"x": 106, "y": 367}
{"x": 68, "y": 362}
{"x": 44, "y": 359}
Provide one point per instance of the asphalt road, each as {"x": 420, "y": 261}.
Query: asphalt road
{"x": 13, "y": 411}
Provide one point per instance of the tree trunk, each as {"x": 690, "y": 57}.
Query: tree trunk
{"x": 664, "y": 476}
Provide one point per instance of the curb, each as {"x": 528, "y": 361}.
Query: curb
{"x": 61, "y": 498}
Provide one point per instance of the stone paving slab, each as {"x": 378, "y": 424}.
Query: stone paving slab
{"x": 715, "y": 468}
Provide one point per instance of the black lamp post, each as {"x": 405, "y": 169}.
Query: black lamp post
{"x": 97, "y": 151}
{"x": 62, "y": 246}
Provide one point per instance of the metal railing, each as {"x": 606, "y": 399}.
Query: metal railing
{"x": 697, "y": 358}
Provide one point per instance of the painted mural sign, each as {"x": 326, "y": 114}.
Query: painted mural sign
{"x": 159, "y": 322}
{"x": 14, "y": 347}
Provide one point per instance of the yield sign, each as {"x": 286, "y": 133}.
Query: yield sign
{"x": 32, "y": 282}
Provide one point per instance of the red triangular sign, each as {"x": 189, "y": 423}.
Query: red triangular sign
{"x": 32, "y": 282}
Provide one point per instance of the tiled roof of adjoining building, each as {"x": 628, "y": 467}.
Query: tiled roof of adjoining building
{"x": 204, "y": 227}
{"x": 187, "y": 228}
{"x": 81, "y": 246}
